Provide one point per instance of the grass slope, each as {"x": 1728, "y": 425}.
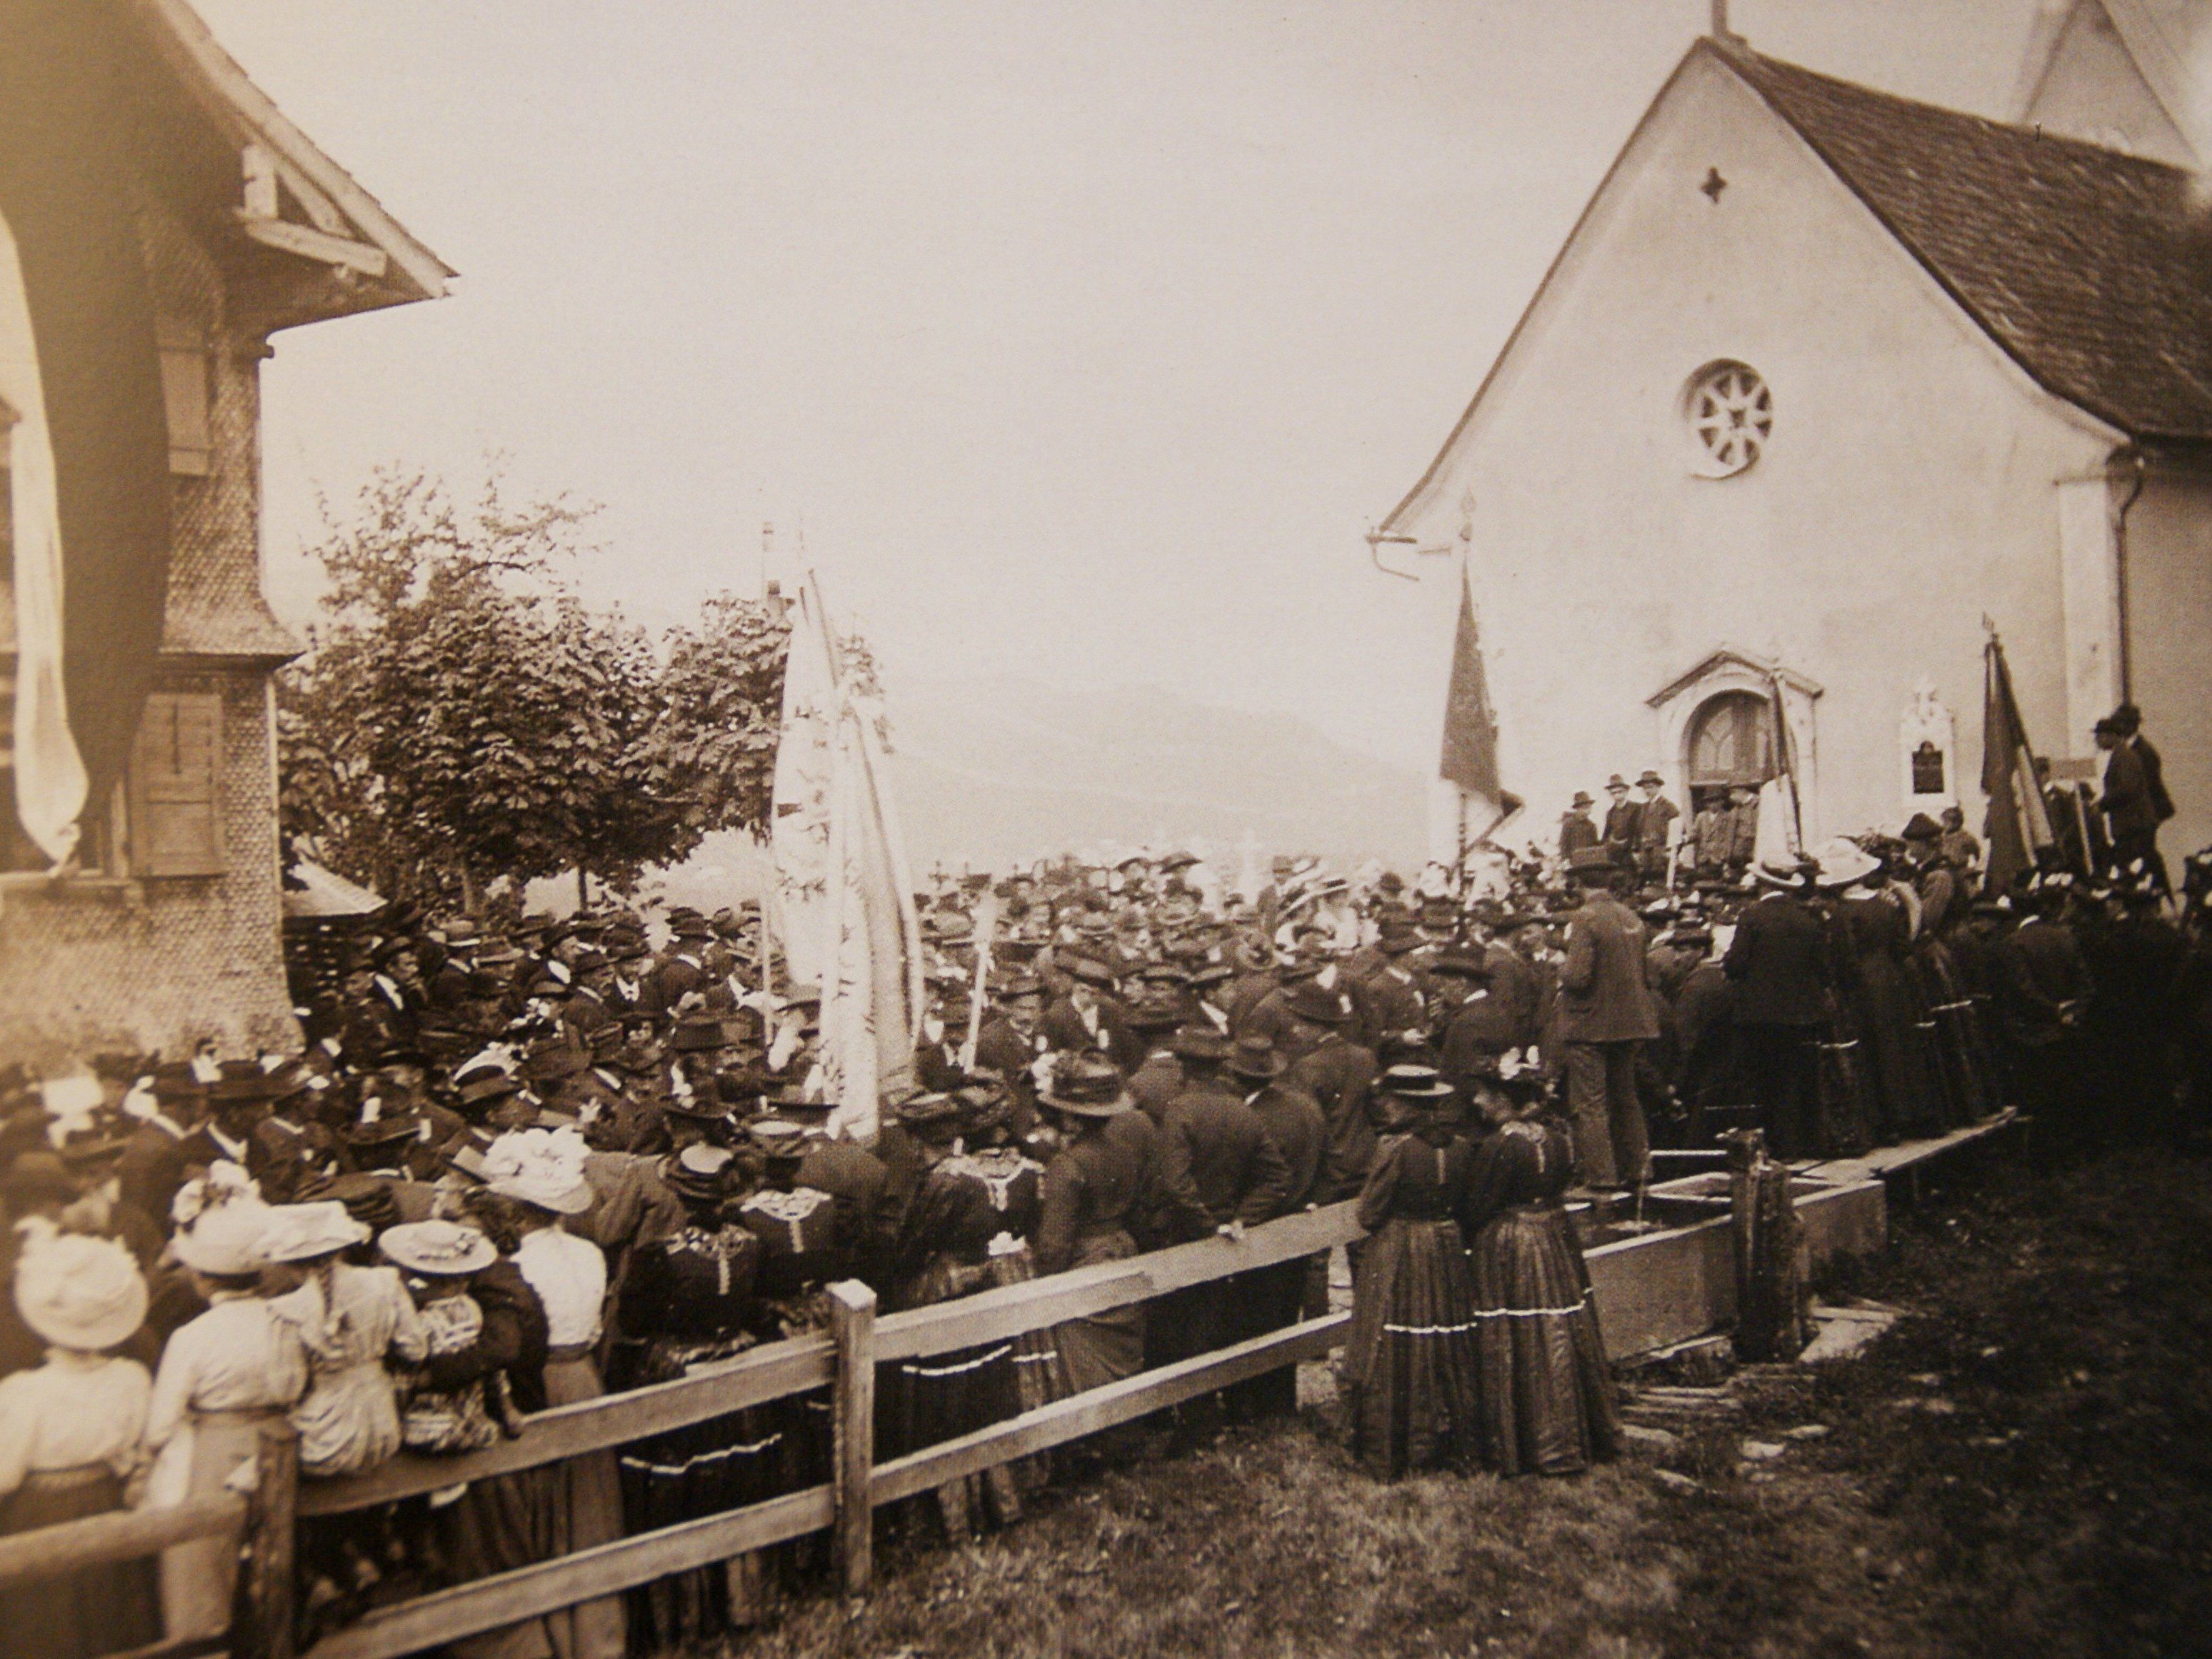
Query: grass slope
{"x": 2022, "y": 1468}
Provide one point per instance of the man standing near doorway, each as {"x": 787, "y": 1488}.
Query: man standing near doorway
{"x": 1621, "y": 822}
{"x": 1654, "y": 825}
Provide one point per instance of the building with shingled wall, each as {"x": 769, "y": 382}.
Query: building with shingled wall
{"x": 162, "y": 929}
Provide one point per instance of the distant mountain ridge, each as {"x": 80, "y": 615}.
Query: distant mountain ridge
{"x": 990, "y": 771}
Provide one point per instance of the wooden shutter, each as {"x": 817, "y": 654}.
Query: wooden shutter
{"x": 184, "y": 399}
{"x": 176, "y": 787}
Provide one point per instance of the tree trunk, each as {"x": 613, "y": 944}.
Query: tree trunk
{"x": 471, "y": 894}
{"x": 583, "y": 892}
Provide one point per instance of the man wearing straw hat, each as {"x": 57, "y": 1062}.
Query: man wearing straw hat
{"x": 1778, "y": 961}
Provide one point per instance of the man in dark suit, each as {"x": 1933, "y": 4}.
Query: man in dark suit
{"x": 1622, "y": 820}
{"x": 1605, "y": 1010}
{"x": 1338, "y": 1073}
{"x": 1090, "y": 1019}
{"x": 2043, "y": 986}
{"x": 152, "y": 1166}
{"x": 1655, "y": 826}
{"x": 1268, "y": 1298}
{"x": 2135, "y": 800}
{"x": 1577, "y": 832}
{"x": 1011, "y": 1043}
{"x": 1780, "y": 964}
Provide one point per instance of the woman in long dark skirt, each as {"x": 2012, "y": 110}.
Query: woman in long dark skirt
{"x": 945, "y": 1250}
{"x": 1888, "y": 1007}
{"x": 688, "y": 1302}
{"x": 1547, "y": 1397}
{"x": 1410, "y": 1368}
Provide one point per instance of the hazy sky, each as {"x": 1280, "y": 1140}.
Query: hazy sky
{"x": 1084, "y": 340}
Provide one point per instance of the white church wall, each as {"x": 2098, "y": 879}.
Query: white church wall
{"x": 1907, "y": 489}
{"x": 2169, "y": 585}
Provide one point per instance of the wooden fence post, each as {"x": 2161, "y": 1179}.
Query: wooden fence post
{"x": 264, "y": 1601}
{"x": 853, "y": 1328}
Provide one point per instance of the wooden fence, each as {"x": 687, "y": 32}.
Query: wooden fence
{"x": 843, "y": 1360}
{"x": 1652, "y": 1290}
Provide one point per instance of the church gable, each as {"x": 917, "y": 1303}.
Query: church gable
{"x": 1720, "y": 236}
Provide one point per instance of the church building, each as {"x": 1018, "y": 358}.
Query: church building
{"x": 1825, "y": 383}
{"x": 160, "y": 222}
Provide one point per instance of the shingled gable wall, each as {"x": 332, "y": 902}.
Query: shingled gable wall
{"x": 1911, "y": 485}
{"x": 141, "y": 962}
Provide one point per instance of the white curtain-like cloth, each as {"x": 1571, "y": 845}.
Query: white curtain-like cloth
{"x": 50, "y": 778}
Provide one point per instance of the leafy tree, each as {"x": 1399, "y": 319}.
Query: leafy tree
{"x": 463, "y": 716}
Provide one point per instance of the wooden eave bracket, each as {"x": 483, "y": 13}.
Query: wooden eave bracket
{"x": 341, "y": 252}
{"x": 325, "y": 240}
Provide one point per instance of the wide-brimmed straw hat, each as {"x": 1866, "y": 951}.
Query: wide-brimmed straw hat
{"x": 301, "y": 1232}
{"x": 541, "y": 1167}
{"x": 79, "y": 1292}
{"x": 230, "y": 1240}
{"x": 1414, "y": 1083}
{"x": 1842, "y": 863}
{"x": 438, "y": 1249}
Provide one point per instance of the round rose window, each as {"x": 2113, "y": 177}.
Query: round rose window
{"x": 1730, "y": 412}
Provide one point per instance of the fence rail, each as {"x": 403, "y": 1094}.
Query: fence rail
{"x": 843, "y": 1360}
{"x": 100, "y": 1540}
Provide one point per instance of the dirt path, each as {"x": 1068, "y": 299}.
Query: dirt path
{"x": 2022, "y": 1467}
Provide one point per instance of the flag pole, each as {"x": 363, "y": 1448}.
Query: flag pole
{"x": 1459, "y": 865}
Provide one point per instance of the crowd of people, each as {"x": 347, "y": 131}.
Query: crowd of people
{"x": 527, "y": 1160}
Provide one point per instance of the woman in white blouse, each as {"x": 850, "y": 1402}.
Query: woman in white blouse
{"x": 70, "y": 1433}
{"x": 539, "y": 1177}
{"x": 222, "y": 1377}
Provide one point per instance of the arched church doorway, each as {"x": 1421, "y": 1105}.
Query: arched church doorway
{"x": 1729, "y": 745}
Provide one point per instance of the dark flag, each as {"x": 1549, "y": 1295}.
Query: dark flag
{"x": 2020, "y": 824}
{"x": 1470, "y": 757}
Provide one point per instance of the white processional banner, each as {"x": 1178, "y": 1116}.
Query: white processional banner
{"x": 799, "y": 827}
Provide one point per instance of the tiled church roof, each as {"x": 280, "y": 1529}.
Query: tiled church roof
{"x": 2092, "y": 268}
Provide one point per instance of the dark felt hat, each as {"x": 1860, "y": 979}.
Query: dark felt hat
{"x": 699, "y": 1034}
{"x": 1201, "y": 1043}
{"x": 932, "y": 1116}
{"x": 1086, "y": 1084}
{"x": 551, "y": 1058}
{"x": 1309, "y": 1001}
{"x": 1256, "y": 1057}
{"x": 700, "y": 1172}
{"x": 1459, "y": 964}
